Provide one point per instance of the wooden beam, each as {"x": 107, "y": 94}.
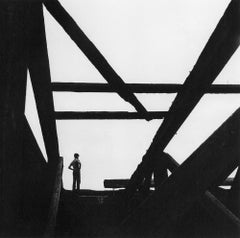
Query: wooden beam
{"x": 52, "y": 216}
{"x": 234, "y": 194}
{"x": 140, "y": 88}
{"x": 212, "y": 162}
{"x": 224, "y": 89}
{"x": 13, "y": 76}
{"x": 38, "y": 64}
{"x": 220, "y": 213}
{"x": 106, "y": 88}
{"x": 222, "y": 44}
{"x": 115, "y": 183}
{"x": 103, "y": 115}
{"x": 31, "y": 148}
{"x": 93, "y": 54}
{"x": 122, "y": 183}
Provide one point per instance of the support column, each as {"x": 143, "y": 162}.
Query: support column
{"x": 13, "y": 75}
{"x": 38, "y": 64}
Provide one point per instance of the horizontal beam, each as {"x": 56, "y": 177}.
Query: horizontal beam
{"x": 139, "y": 88}
{"x": 122, "y": 183}
{"x": 103, "y": 115}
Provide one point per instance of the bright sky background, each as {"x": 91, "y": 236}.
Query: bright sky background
{"x": 145, "y": 41}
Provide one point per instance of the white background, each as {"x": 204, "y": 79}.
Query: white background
{"x": 156, "y": 41}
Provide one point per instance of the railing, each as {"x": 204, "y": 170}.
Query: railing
{"x": 122, "y": 183}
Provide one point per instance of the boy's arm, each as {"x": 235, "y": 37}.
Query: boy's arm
{"x": 70, "y": 167}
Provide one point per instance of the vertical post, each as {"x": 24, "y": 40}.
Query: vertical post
{"x": 234, "y": 194}
{"x": 52, "y": 216}
{"x": 13, "y": 75}
{"x": 38, "y": 64}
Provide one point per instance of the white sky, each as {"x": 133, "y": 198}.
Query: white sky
{"x": 144, "y": 41}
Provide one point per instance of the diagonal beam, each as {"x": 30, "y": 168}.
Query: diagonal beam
{"x": 212, "y": 162}
{"x": 92, "y": 53}
{"x": 222, "y": 44}
{"x": 219, "y": 212}
{"x": 140, "y": 88}
{"x": 212, "y": 205}
{"x": 38, "y": 65}
{"x": 31, "y": 147}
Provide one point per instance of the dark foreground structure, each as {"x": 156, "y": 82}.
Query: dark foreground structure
{"x": 188, "y": 203}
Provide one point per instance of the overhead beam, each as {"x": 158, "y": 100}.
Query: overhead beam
{"x": 220, "y": 47}
{"x": 38, "y": 64}
{"x": 93, "y": 54}
{"x": 140, "y": 88}
{"x": 211, "y": 163}
{"x": 103, "y": 115}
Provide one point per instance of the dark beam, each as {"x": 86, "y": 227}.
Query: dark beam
{"x": 224, "y": 88}
{"x": 93, "y": 54}
{"x": 227, "y": 182}
{"x": 234, "y": 194}
{"x": 103, "y": 115}
{"x": 222, "y": 44}
{"x": 212, "y": 162}
{"x": 122, "y": 183}
{"x": 220, "y": 212}
{"x": 53, "y": 211}
{"x": 13, "y": 76}
{"x": 38, "y": 64}
{"x": 32, "y": 150}
{"x": 140, "y": 88}
{"x": 34, "y": 186}
{"x": 106, "y": 88}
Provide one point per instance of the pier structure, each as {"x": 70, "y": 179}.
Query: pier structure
{"x": 188, "y": 203}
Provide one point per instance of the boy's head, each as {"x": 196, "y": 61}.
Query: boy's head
{"x": 76, "y": 155}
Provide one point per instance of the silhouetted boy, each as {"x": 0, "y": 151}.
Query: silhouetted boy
{"x": 75, "y": 166}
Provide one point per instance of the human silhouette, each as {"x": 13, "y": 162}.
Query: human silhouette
{"x": 75, "y": 166}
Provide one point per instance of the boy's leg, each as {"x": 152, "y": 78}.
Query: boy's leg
{"x": 74, "y": 182}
